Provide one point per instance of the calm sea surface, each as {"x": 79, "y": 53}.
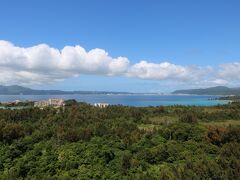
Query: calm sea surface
{"x": 130, "y": 100}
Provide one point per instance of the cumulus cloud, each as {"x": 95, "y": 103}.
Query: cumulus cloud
{"x": 219, "y": 81}
{"x": 43, "y": 64}
{"x": 165, "y": 71}
{"x": 230, "y": 71}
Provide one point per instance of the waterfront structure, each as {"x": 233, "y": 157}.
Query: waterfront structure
{"x": 12, "y": 102}
{"x": 101, "y": 105}
{"x": 15, "y": 102}
{"x": 49, "y": 102}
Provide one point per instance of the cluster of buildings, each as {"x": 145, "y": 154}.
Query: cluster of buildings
{"x": 101, "y": 105}
{"x": 60, "y": 103}
{"x": 50, "y": 102}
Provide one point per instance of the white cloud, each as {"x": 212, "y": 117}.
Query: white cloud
{"x": 165, "y": 71}
{"x": 219, "y": 82}
{"x": 230, "y": 71}
{"x": 42, "y": 64}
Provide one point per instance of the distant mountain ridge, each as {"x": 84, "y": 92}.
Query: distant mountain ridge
{"x": 19, "y": 90}
{"x": 218, "y": 90}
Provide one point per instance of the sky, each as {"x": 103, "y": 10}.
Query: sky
{"x": 120, "y": 45}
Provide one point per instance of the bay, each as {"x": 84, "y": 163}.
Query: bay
{"x": 129, "y": 100}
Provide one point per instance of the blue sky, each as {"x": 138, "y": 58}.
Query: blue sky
{"x": 183, "y": 33}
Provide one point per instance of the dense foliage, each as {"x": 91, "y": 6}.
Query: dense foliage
{"x": 85, "y": 142}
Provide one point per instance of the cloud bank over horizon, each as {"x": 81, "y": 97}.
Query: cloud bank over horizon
{"x": 42, "y": 64}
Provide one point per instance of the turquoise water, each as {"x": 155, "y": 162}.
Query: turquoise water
{"x": 130, "y": 100}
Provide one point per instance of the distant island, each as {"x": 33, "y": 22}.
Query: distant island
{"x": 19, "y": 90}
{"x": 218, "y": 90}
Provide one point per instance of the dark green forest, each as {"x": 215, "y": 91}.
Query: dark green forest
{"x": 80, "y": 141}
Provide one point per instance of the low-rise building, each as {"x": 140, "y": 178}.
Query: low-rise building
{"x": 101, "y": 105}
{"x": 49, "y": 102}
{"x": 8, "y": 103}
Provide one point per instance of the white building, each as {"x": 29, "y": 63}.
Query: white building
{"x": 101, "y": 105}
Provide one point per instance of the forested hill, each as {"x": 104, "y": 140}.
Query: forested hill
{"x": 81, "y": 141}
{"x": 19, "y": 90}
{"x": 218, "y": 90}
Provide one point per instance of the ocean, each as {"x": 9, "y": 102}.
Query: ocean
{"x": 129, "y": 100}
